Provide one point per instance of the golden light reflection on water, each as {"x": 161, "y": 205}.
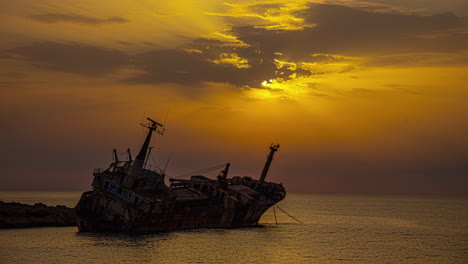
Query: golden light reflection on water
{"x": 337, "y": 228}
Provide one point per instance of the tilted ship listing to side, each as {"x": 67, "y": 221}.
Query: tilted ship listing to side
{"x": 128, "y": 197}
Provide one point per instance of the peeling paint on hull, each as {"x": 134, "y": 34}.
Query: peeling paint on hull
{"x": 126, "y": 197}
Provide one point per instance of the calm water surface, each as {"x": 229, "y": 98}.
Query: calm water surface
{"x": 336, "y": 229}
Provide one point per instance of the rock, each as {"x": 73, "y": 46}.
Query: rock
{"x": 17, "y": 215}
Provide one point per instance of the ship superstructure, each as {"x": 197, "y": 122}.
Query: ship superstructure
{"x": 128, "y": 197}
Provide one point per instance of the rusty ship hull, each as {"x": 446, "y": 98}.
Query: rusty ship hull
{"x": 168, "y": 216}
{"x": 126, "y": 197}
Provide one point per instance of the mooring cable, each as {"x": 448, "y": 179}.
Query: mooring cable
{"x": 289, "y": 214}
{"x": 274, "y": 213}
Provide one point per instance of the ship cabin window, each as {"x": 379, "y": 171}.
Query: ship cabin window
{"x": 111, "y": 188}
{"x": 127, "y": 195}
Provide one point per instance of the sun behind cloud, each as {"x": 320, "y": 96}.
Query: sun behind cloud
{"x": 372, "y": 93}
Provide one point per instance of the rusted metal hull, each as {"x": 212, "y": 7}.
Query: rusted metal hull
{"x": 100, "y": 212}
{"x": 128, "y": 197}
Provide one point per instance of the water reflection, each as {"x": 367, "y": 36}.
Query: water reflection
{"x": 123, "y": 239}
{"x": 336, "y": 229}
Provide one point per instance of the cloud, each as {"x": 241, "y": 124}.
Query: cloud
{"x": 421, "y": 59}
{"x": 52, "y": 18}
{"x": 213, "y": 62}
{"x": 265, "y": 14}
{"x": 178, "y": 66}
{"x": 72, "y": 57}
{"x": 342, "y": 35}
{"x": 356, "y": 32}
{"x": 210, "y": 60}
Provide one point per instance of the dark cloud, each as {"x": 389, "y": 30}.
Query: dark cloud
{"x": 349, "y": 20}
{"x": 202, "y": 63}
{"x": 162, "y": 66}
{"x": 72, "y": 57}
{"x": 420, "y": 59}
{"x": 326, "y": 58}
{"x": 353, "y": 31}
{"x": 178, "y": 66}
{"x": 265, "y": 8}
{"x": 339, "y": 29}
{"x": 53, "y": 18}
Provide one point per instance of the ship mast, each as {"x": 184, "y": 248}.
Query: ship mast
{"x": 116, "y": 158}
{"x": 273, "y": 149}
{"x": 137, "y": 165}
{"x": 147, "y": 157}
{"x": 129, "y": 155}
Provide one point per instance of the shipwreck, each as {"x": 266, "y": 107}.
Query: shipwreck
{"x": 128, "y": 197}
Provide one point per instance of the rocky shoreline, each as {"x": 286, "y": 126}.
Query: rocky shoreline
{"x": 18, "y": 215}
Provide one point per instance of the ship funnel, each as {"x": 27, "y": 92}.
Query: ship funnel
{"x": 273, "y": 149}
{"x": 137, "y": 165}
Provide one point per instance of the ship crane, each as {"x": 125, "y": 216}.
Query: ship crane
{"x": 273, "y": 149}
{"x": 134, "y": 199}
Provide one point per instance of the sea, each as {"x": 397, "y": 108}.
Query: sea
{"x": 334, "y": 229}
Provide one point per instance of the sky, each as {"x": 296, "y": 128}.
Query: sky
{"x": 364, "y": 97}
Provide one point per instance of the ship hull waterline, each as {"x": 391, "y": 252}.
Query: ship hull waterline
{"x": 173, "y": 219}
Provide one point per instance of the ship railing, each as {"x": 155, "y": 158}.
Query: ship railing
{"x": 179, "y": 185}
{"x": 97, "y": 170}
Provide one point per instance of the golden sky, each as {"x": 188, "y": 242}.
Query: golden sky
{"x": 363, "y": 96}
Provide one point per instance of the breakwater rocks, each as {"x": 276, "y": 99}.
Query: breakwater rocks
{"x": 18, "y": 215}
